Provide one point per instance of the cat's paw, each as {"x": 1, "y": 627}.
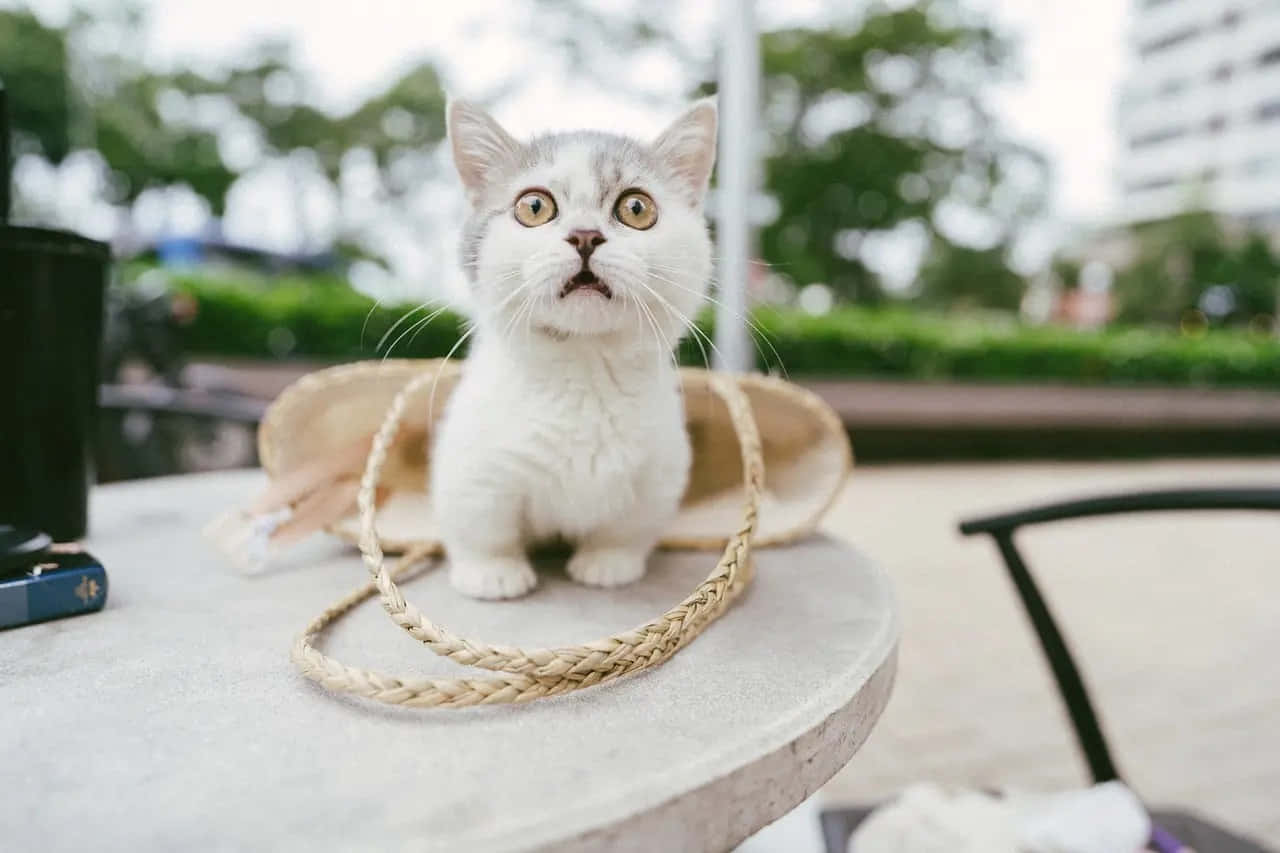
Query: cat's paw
{"x": 492, "y": 577}
{"x": 607, "y": 566}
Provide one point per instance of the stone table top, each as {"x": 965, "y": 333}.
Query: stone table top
{"x": 174, "y": 719}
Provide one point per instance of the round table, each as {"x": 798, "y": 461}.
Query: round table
{"x": 174, "y": 719}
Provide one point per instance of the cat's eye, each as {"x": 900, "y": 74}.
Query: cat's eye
{"x": 535, "y": 207}
{"x": 636, "y": 209}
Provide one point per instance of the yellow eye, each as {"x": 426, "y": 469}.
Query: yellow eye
{"x": 636, "y": 210}
{"x": 535, "y": 207}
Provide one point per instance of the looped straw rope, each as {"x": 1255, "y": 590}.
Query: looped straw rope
{"x": 525, "y": 674}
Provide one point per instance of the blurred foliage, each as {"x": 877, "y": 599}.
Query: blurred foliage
{"x": 1190, "y": 263}
{"x": 156, "y": 128}
{"x": 960, "y": 277}
{"x": 877, "y": 125}
{"x": 315, "y": 317}
{"x": 322, "y": 319}
{"x": 872, "y": 125}
{"x": 33, "y": 69}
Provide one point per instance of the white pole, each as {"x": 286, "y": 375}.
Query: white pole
{"x": 739, "y": 84}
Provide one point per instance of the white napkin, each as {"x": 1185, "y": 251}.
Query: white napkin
{"x": 1106, "y": 818}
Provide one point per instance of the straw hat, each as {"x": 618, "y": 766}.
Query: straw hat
{"x": 332, "y": 413}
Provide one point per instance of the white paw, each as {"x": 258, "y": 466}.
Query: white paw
{"x": 492, "y": 577}
{"x": 607, "y": 566}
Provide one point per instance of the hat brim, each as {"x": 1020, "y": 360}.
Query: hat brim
{"x": 807, "y": 453}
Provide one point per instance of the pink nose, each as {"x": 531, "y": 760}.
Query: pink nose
{"x": 585, "y": 241}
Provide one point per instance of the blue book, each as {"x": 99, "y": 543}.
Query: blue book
{"x": 60, "y": 584}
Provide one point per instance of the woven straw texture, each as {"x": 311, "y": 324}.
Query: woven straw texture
{"x": 324, "y": 415}
{"x": 521, "y": 675}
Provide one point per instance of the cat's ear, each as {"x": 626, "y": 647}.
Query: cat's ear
{"x": 481, "y": 148}
{"x": 688, "y": 146}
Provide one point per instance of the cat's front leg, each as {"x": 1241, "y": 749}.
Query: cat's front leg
{"x": 618, "y": 551}
{"x": 491, "y": 575}
{"x": 482, "y": 539}
{"x": 608, "y": 562}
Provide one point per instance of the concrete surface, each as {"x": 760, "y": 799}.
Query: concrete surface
{"x": 174, "y": 719}
{"x": 1175, "y": 618}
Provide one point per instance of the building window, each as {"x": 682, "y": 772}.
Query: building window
{"x": 1270, "y": 57}
{"x": 1259, "y": 166}
{"x": 1150, "y": 185}
{"x": 1172, "y": 40}
{"x": 1171, "y": 87}
{"x": 1216, "y": 124}
{"x": 1231, "y": 18}
{"x": 1269, "y": 111}
{"x": 1222, "y": 73}
{"x": 1156, "y": 137}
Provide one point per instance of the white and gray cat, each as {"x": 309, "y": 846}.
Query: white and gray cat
{"x": 586, "y": 254}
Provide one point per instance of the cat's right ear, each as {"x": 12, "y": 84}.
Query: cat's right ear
{"x": 481, "y": 148}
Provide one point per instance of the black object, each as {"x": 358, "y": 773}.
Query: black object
{"x": 5, "y": 187}
{"x": 19, "y": 548}
{"x": 51, "y": 298}
{"x": 1192, "y": 830}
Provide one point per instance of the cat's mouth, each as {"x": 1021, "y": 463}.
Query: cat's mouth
{"x": 586, "y": 280}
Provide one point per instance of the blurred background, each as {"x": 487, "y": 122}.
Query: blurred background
{"x": 976, "y": 222}
{"x": 1005, "y": 239}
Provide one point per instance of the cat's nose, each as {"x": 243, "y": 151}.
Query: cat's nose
{"x": 584, "y": 240}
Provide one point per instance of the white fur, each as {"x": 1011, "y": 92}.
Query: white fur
{"x": 568, "y": 422}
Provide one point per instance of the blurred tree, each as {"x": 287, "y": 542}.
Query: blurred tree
{"x": 407, "y": 115}
{"x": 963, "y": 277}
{"x": 33, "y": 68}
{"x": 266, "y": 95}
{"x": 881, "y": 124}
{"x": 1190, "y": 262}
{"x": 146, "y": 149}
{"x": 156, "y": 129}
{"x": 873, "y": 123}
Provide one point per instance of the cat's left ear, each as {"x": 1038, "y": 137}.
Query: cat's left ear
{"x": 688, "y": 146}
{"x": 481, "y": 148}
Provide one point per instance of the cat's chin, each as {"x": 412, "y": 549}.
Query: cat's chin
{"x": 612, "y": 334}
{"x": 586, "y": 310}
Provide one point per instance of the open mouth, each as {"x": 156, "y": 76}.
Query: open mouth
{"x": 586, "y": 280}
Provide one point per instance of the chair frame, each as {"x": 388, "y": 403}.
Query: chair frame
{"x": 1070, "y": 683}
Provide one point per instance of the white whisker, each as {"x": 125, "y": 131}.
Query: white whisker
{"x": 365, "y": 325}
{"x": 746, "y": 318}
{"x": 396, "y": 324}
{"x": 419, "y": 325}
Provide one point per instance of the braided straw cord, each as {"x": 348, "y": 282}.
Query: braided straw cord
{"x": 526, "y": 674}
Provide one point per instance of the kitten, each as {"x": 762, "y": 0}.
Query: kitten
{"x": 585, "y": 254}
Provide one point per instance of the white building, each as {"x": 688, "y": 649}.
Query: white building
{"x": 1199, "y": 115}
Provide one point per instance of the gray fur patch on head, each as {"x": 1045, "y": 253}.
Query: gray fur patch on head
{"x": 472, "y": 235}
{"x": 617, "y": 162}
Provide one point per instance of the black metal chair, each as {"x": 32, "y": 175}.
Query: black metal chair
{"x": 1190, "y": 829}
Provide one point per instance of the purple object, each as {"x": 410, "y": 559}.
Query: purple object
{"x": 1163, "y": 842}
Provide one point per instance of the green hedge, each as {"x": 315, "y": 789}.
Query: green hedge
{"x": 307, "y": 318}
{"x": 324, "y": 319}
